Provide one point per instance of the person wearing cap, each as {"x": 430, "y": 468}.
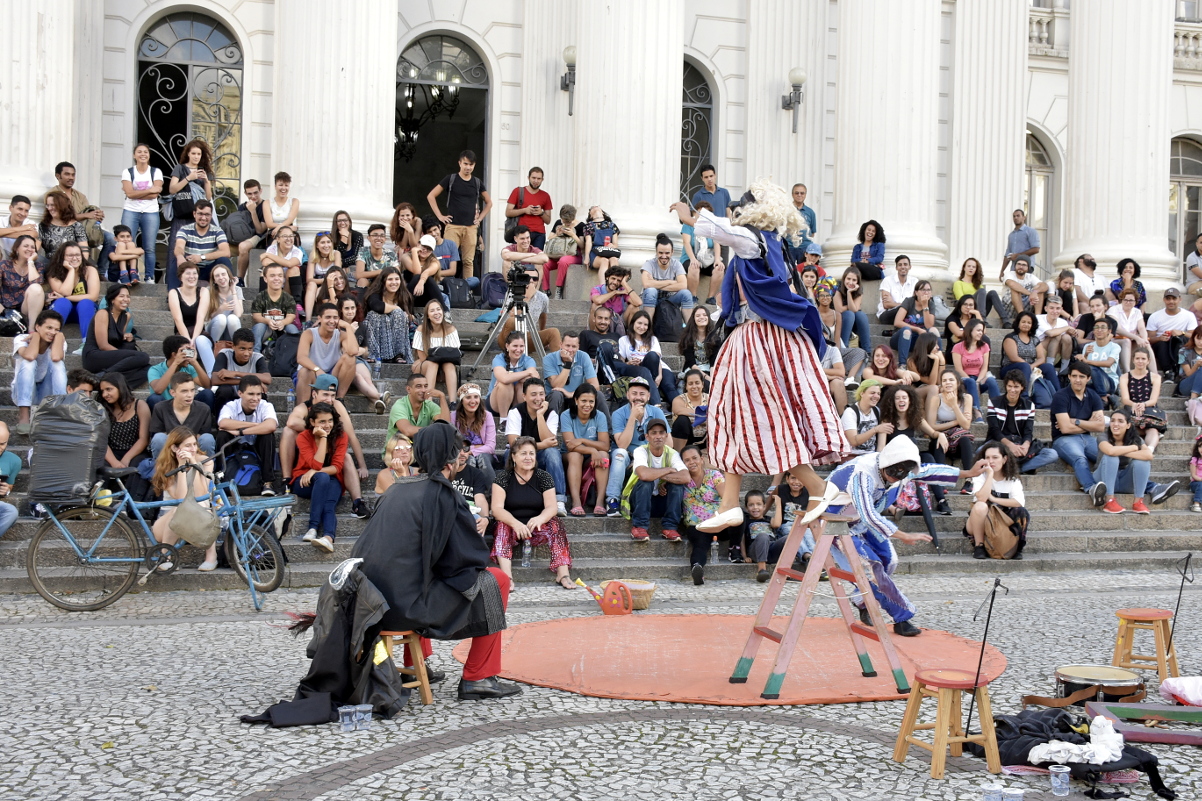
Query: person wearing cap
{"x": 895, "y": 287}
{"x": 630, "y": 431}
{"x": 1055, "y": 330}
{"x": 813, "y": 257}
{"x": 872, "y": 481}
{"x": 1168, "y": 329}
{"x": 325, "y": 390}
{"x": 422, "y": 270}
{"x": 656, "y": 485}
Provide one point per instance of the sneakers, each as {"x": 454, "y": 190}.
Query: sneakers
{"x": 1140, "y": 508}
{"x": 269, "y": 490}
{"x": 611, "y": 508}
{"x": 671, "y": 535}
{"x": 1195, "y": 507}
{"x": 558, "y": 293}
{"x": 325, "y": 543}
{"x": 698, "y": 575}
{"x": 906, "y": 629}
{"x": 561, "y": 510}
{"x": 1162, "y": 492}
{"x": 150, "y": 279}
{"x": 360, "y": 509}
{"x": 639, "y": 534}
{"x": 384, "y": 403}
{"x": 1098, "y": 493}
{"x": 763, "y": 575}
{"x": 310, "y": 535}
{"x": 1113, "y": 507}
{"x": 207, "y": 567}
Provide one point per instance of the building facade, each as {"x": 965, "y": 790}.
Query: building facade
{"x": 935, "y": 117}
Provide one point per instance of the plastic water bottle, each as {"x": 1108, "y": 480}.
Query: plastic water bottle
{"x": 375, "y": 372}
{"x": 526, "y": 550}
{"x": 291, "y": 397}
{"x": 714, "y": 551}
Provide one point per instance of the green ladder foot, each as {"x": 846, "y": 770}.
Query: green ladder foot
{"x": 899, "y": 678}
{"x": 742, "y": 670}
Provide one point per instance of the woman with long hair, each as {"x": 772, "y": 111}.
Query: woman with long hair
{"x": 638, "y": 347}
{"x": 348, "y": 312}
{"x": 868, "y": 255}
{"x": 74, "y": 286}
{"x": 849, "y": 303}
{"x": 110, "y": 346}
{"x": 901, "y": 409}
{"x": 1189, "y": 359}
{"x": 403, "y": 228}
{"x": 59, "y": 225}
{"x": 189, "y": 304}
{"x": 700, "y": 342}
{"x": 347, "y": 241}
{"x": 926, "y": 362}
{"x": 950, "y": 413}
{"x": 317, "y": 474}
{"x": 389, "y": 308}
{"x": 1001, "y": 487}
{"x": 567, "y": 229}
{"x": 601, "y": 249}
{"x": 193, "y": 177}
{"x": 972, "y": 282}
{"x": 524, "y": 506}
{"x": 1125, "y": 465}
{"x": 142, "y": 184}
{"x": 1139, "y": 389}
{"x": 333, "y": 288}
{"x": 691, "y": 408}
{"x": 915, "y": 316}
{"x": 954, "y": 324}
{"x": 971, "y": 361}
{"x": 585, "y": 442}
{"x": 225, "y": 304}
{"x": 433, "y": 343}
{"x": 1131, "y": 331}
{"x": 478, "y": 428}
{"x": 129, "y": 422}
{"x": 1022, "y": 351}
{"x": 321, "y": 259}
{"x": 399, "y": 452}
{"x": 180, "y": 448}
{"x": 853, "y": 358}
{"x": 883, "y": 367}
{"x": 21, "y": 280}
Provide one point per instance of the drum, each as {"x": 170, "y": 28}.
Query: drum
{"x": 1114, "y": 684}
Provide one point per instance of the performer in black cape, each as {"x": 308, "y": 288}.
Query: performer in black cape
{"x": 422, "y": 551}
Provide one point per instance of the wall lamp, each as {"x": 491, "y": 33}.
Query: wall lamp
{"x": 567, "y": 82}
{"x": 792, "y": 101}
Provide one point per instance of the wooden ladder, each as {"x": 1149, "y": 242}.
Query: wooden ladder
{"x": 829, "y": 529}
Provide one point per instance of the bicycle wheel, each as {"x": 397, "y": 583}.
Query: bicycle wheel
{"x": 81, "y": 585}
{"x": 266, "y": 557}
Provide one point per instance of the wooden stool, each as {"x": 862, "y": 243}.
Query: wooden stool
{"x": 945, "y": 685}
{"x": 1164, "y": 661}
{"x": 413, "y": 641}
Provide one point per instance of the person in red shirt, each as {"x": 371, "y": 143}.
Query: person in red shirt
{"x": 317, "y": 474}
{"x": 532, "y": 207}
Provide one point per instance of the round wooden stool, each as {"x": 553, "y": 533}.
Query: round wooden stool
{"x": 945, "y": 685}
{"x": 1164, "y": 661}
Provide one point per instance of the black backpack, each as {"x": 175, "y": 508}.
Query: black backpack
{"x": 244, "y": 470}
{"x": 459, "y": 292}
{"x": 492, "y": 290}
{"x": 667, "y": 325}
{"x": 281, "y": 360}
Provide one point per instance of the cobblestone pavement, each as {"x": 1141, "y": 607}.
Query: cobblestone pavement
{"x": 141, "y": 701}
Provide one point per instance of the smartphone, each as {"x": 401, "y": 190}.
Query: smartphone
{"x": 190, "y": 353}
{"x": 4, "y": 480}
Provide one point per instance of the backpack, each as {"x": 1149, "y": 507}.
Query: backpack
{"x": 511, "y": 223}
{"x": 459, "y": 292}
{"x": 282, "y": 360}
{"x": 246, "y": 472}
{"x": 238, "y": 226}
{"x": 1000, "y": 540}
{"x": 492, "y": 290}
{"x": 668, "y": 324}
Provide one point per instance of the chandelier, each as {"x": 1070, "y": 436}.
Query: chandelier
{"x": 438, "y": 99}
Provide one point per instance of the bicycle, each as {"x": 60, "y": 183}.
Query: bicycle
{"x": 86, "y": 556}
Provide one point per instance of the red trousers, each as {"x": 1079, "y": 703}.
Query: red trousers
{"x": 484, "y": 658}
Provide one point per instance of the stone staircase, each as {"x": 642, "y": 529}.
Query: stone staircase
{"x": 1067, "y": 532}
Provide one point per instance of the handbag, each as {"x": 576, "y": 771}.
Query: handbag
{"x": 444, "y": 355}
{"x": 560, "y": 245}
{"x": 511, "y": 223}
{"x": 1000, "y": 540}
{"x": 1153, "y": 418}
{"x": 183, "y": 204}
{"x": 196, "y": 524}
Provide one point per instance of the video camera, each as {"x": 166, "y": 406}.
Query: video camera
{"x": 518, "y": 279}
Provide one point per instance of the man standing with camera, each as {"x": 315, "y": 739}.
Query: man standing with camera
{"x": 524, "y": 263}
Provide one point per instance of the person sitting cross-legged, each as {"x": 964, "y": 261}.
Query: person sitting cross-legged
{"x": 1125, "y": 464}
{"x": 656, "y": 485}
{"x": 535, "y": 418}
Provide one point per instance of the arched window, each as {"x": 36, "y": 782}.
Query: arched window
{"x": 1038, "y": 179}
{"x": 696, "y": 129}
{"x": 441, "y": 109}
{"x": 1185, "y": 195}
{"x": 190, "y": 87}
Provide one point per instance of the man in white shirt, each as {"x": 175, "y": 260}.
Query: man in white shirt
{"x": 656, "y": 488}
{"x": 1168, "y": 330}
{"x": 1086, "y": 281}
{"x": 1026, "y": 290}
{"x": 255, "y": 420}
{"x": 895, "y": 288}
{"x": 1055, "y": 330}
{"x": 17, "y": 223}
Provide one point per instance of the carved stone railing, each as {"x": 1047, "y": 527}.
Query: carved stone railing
{"x": 1047, "y": 32}
{"x": 1187, "y": 46}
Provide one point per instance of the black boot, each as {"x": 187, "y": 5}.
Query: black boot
{"x": 433, "y": 675}
{"x": 906, "y": 629}
{"x": 698, "y": 575}
{"x": 486, "y": 688}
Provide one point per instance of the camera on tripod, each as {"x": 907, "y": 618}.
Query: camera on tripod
{"x": 518, "y": 279}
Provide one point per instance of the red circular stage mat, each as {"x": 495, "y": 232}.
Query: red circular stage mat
{"x": 689, "y": 659}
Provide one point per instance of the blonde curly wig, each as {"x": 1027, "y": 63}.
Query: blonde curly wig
{"x": 773, "y": 209}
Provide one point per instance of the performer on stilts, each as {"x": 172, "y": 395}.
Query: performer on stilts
{"x": 770, "y": 405}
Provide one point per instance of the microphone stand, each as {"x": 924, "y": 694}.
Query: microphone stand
{"x": 997, "y": 582}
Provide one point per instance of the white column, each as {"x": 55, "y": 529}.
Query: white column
{"x": 546, "y": 135}
{"x": 629, "y": 79}
{"x": 887, "y": 131}
{"x": 88, "y": 114}
{"x": 988, "y": 129}
{"x": 772, "y": 150}
{"x": 336, "y": 161}
{"x": 36, "y": 95}
{"x": 1116, "y": 170}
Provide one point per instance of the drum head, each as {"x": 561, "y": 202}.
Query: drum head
{"x": 1102, "y": 675}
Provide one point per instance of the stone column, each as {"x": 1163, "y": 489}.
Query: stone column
{"x": 88, "y": 114}
{"x": 887, "y": 131}
{"x": 629, "y": 79}
{"x": 1116, "y": 171}
{"x": 988, "y": 129}
{"x": 37, "y": 97}
{"x": 548, "y": 26}
{"x": 336, "y": 161}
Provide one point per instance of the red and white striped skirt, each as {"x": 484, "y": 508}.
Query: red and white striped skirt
{"x": 770, "y": 406}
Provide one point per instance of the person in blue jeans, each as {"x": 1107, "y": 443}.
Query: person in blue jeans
{"x": 1125, "y": 466}
{"x": 1011, "y": 419}
{"x": 535, "y": 418}
{"x": 630, "y": 431}
{"x": 10, "y": 468}
{"x": 656, "y": 485}
{"x": 317, "y": 474}
{"x": 1076, "y": 417}
{"x": 665, "y": 279}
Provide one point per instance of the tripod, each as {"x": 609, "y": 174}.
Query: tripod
{"x": 521, "y": 324}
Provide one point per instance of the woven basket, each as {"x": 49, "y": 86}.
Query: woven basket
{"x": 641, "y": 591}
